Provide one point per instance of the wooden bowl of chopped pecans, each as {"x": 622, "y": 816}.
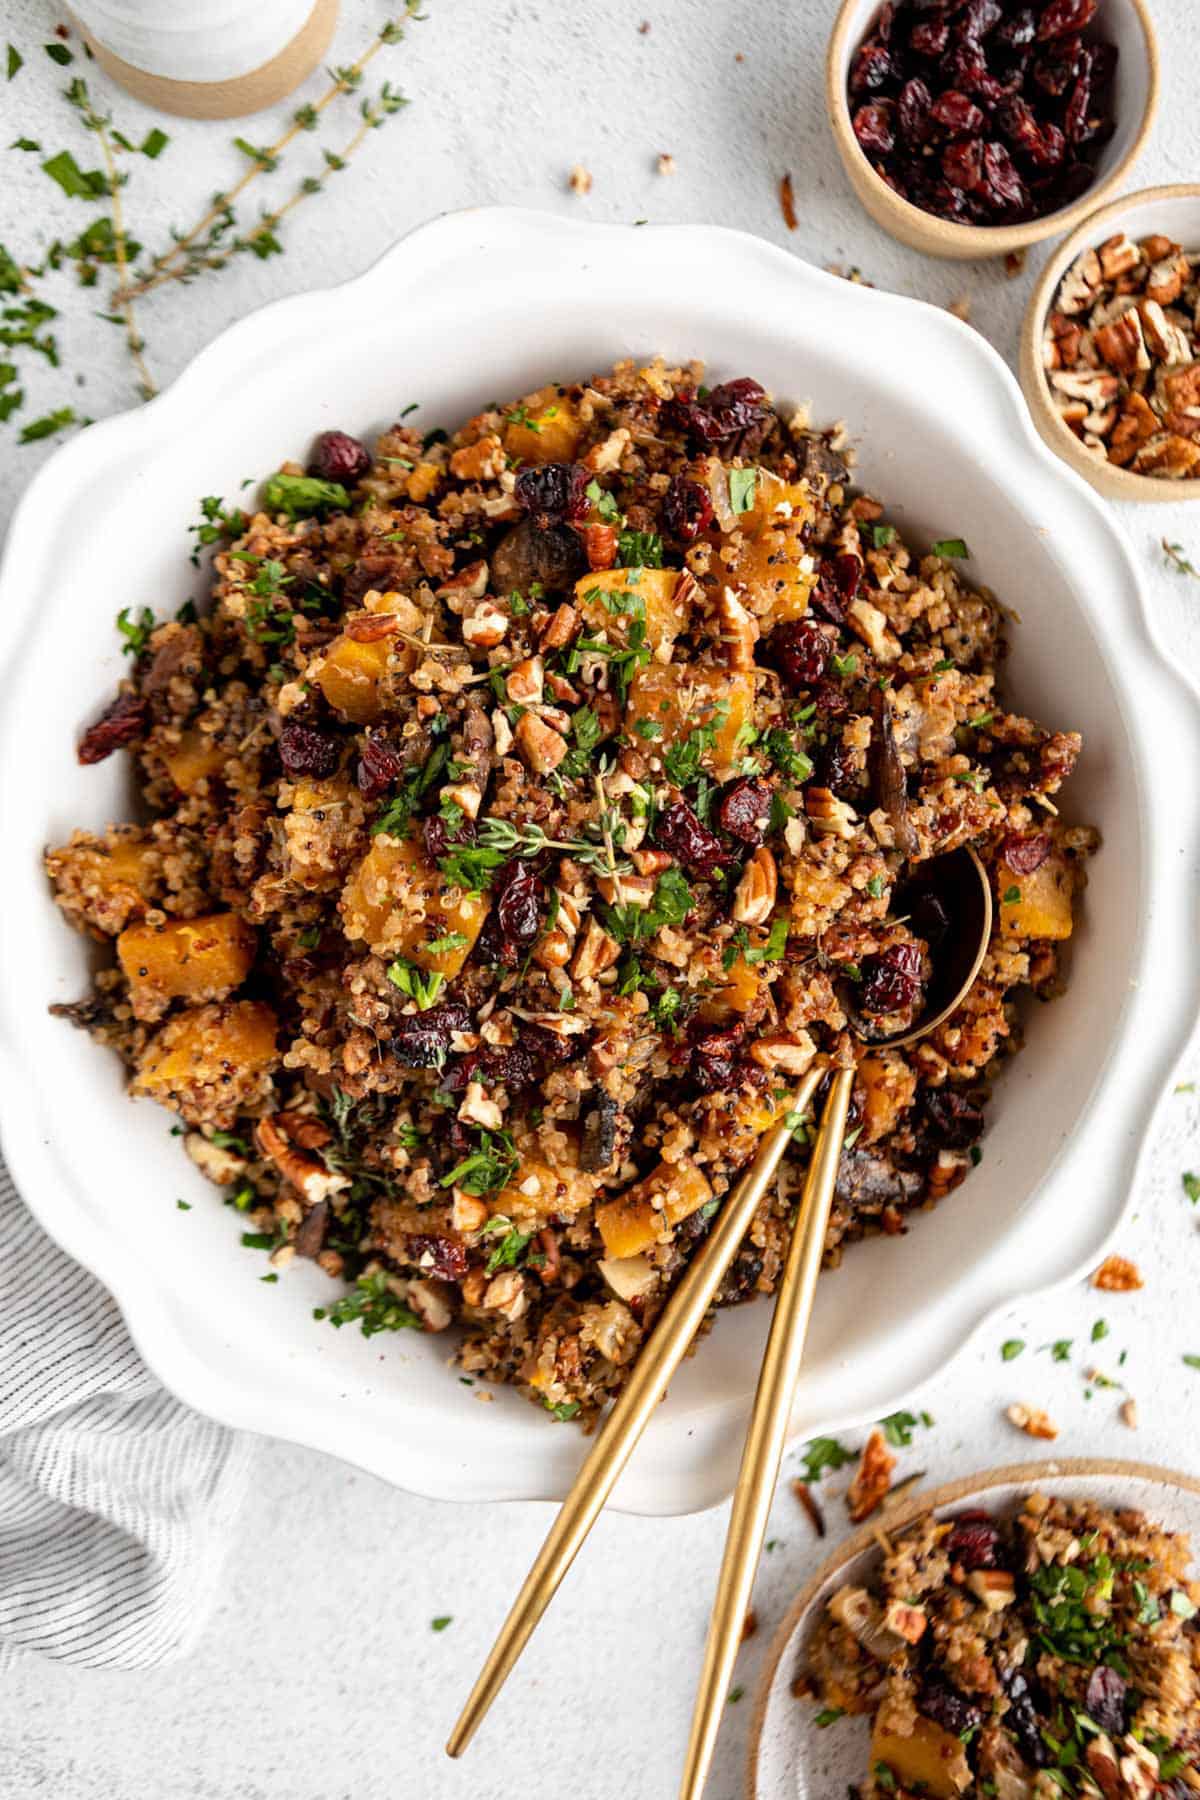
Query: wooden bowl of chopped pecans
{"x": 1110, "y": 347}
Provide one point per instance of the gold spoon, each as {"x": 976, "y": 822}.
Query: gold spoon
{"x": 668, "y": 1344}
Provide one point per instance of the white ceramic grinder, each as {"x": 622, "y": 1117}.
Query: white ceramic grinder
{"x": 207, "y": 59}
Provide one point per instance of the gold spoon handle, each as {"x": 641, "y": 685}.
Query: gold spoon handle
{"x": 767, "y": 1436}
{"x": 659, "y": 1358}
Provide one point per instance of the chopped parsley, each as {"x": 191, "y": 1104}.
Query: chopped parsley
{"x": 300, "y": 496}
{"x": 372, "y": 1306}
{"x": 1191, "y": 1186}
{"x": 824, "y": 1456}
{"x": 682, "y": 761}
{"x": 586, "y": 732}
{"x": 136, "y": 632}
{"x": 1099, "y": 1330}
{"x": 1011, "y": 896}
{"x": 512, "y": 1245}
{"x": 419, "y": 984}
{"x": 603, "y": 502}
{"x": 780, "y": 746}
{"x": 743, "y": 486}
{"x": 954, "y": 548}
{"x": 492, "y": 1165}
{"x": 670, "y": 905}
{"x": 882, "y": 535}
{"x": 898, "y": 1427}
{"x": 1012, "y": 1348}
{"x": 845, "y": 665}
{"x": 829, "y": 1715}
{"x": 562, "y": 1410}
{"x": 639, "y": 550}
{"x": 441, "y": 1623}
{"x": 48, "y": 425}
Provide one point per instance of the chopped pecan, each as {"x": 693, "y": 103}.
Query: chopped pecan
{"x": 526, "y": 682}
{"x": 1117, "y": 1275}
{"x": 1122, "y": 344}
{"x": 597, "y": 951}
{"x": 1135, "y": 426}
{"x": 563, "y": 625}
{"x": 306, "y": 1174}
{"x": 600, "y": 542}
{"x": 754, "y": 899}
{"x": 368, "y": 627}
{"x": 739, "y": 631}
{"x": 481, "y": 461}
{"x": 1117, "y": 256}
{"x": 872, "y": 1479}
{"x": 1168, "y": 456}
{"x": 485, "y": 627}
{"x": 1031, "y": 1421}
{"x": 542, "y": 748}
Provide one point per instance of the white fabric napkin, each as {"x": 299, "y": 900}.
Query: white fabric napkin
{"x": 117, "y": 1503}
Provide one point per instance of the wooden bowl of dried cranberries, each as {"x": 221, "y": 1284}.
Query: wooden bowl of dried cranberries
{"x": 972, "y": 128}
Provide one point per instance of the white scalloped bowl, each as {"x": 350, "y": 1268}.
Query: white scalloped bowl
{"x": 474, "y": 307}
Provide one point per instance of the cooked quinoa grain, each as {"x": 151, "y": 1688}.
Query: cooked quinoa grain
{"x": 527, "y": 810}
{"x": 1051, "y": 1653}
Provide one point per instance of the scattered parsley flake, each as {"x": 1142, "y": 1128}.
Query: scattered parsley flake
{"x": 300, "y": 496}
{"x": 136, "y": 632}
{"x": 441, "y": 1623}
{"x": 953, "y": 548}
{"x": 825, "y": 1455}
{"x": 882, "y": 536}
{"x": 1012, "y": 1348}
{"x": 15, "y": 61}
{"x": 48, "y": 425}
{"x": 1191, "y": 1186}
{"x": 743, "y": 486}
{"x": 58, "y": 53}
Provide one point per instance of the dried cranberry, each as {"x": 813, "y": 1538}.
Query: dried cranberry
{"x": 875, "y": 127}
{"x": 444, "y": 1257}
{"x": 913, "y": 110}
{"x": 512, "y": 924}
{"x": 1055, "y": 69}
{"x": 1104, "y": 1700}
{"x": 947, "y": 1707}
{"x": 714, "y": 1058}
{"x": 1023, "y": 1718}
{"x": 379, "y": 764}
{"x": 974, "y": 1541}
{"x": 892, "y": 981}
{"x": 339, "y": 457}
{"x": 1077, "y": 126}
{"x": 847, "y": 574}
{"x": 978, "y": 17}
{"x": 549, "y": 1046}
{"x": 958, "y": 1121}
{"x": 800, "y": 650}
{"x": 1019, "y": 29}
{"x": 1025, "y": 852}
{"x": 1063, "y": 18}
{"x": 122, "y": 722}
{"x": 745, "y": 810}
{"x": 303, "y": 750}
{"x": 435, "y": 835}
{"x": 1002, "y": 185}
{"x": 831, "y": 700}
{"x": 962, "y": 164}
{"x": 957, "y": 113}
{"x": 555, "y": 489}
{"x": 679, "y": 831}
{"x": 931, "y": 36}
{"x": 423, "y": 1040}
{"x": 871, "y": 69}
{"x": 730, "y": 408}
{"x": 687, "y": 509}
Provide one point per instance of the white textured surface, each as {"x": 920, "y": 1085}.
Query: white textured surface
{"x": 320, "y": 1678}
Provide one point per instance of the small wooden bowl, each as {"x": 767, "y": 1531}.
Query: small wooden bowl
{"x": 784, "y": 1756}
{"x": 1126, "y": 22}
{"x": 1174, "y": 211}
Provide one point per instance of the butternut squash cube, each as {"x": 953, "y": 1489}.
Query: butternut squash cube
{"x": 930, "y": 1761}
{"x": 352, "y": 676}
{"x": 210, "y": 1063}
{"x": 102, "y": 883}
{"x": 537, "y": 1191}
{"x": 887, "y": 1087}
{"x": 185, "y": 959}
{"x": 632, "y": 1222}
{"x": 678, "y": 700}
{"x": 610, "y": 598}
{"x": 1041, "y": 902}
{"x": 544, "y": 428}
{"x": 195, "y": 758}
{"x": 735, "y": 995}
{"x": 397, "y": 902}
{"x": 774, "y": 564}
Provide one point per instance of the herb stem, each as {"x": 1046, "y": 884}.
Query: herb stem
{"x": 133, "y": 337}
{"x": 166, "y": 267}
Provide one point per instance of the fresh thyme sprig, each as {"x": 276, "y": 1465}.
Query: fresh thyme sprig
{"x": 207, "y": 244}
{"x": 530, "y": 840}
{"x": 1179, "y": 560}
{"x": 101, "y": 124}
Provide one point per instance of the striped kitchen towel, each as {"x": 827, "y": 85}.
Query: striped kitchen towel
{"x": 117, "y": 1503}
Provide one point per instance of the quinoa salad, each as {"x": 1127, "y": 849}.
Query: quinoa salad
{"x": 526, "y": 810}
{"x": 1052, "y": 1653}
